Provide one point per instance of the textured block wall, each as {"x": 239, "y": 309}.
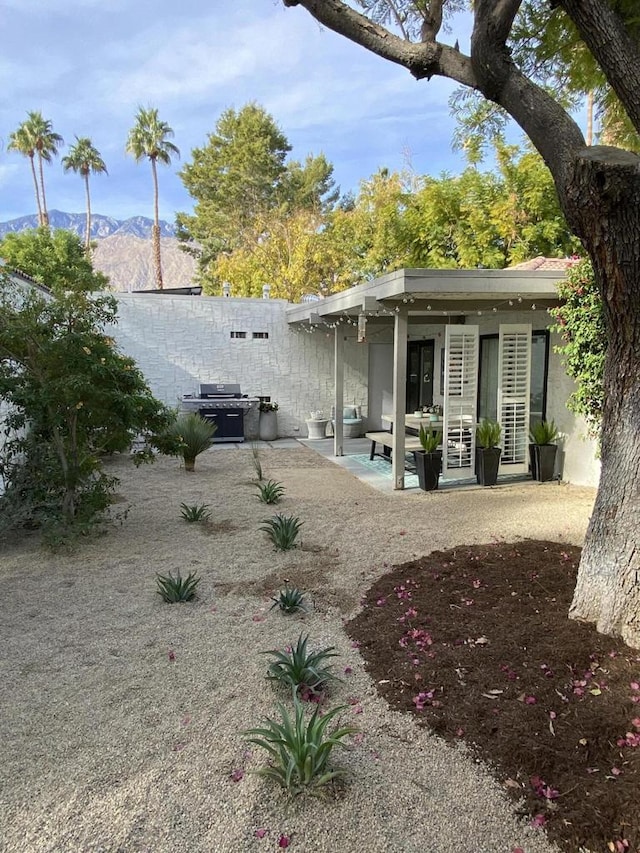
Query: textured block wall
{"x": 180, "y": 341}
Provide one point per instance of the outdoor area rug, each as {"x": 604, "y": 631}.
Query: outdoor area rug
{"x": 380, "y": 466}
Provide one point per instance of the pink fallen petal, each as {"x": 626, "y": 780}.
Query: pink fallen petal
{"x": 539, "y": 820}
{"x": 517, "y": 850}
{"x": 237, "y": 775}
{"x": 530, "y": 700}
{"x": 284, "y": 841}
{"x": 552, "y": 715}
{"x": 615, "y": 771}
{"x": 355, "y": 644}
{"x": 459, "y": 732}
{"x": 634, "y": 685}
{"x": 348, "y": 670}
{"x": 357, "y": 709}
{"x": 260, "y": 833}
{"x": 257, "y": 618}
{"x": 636, "y": 722}
{"x": 172, "y": 654}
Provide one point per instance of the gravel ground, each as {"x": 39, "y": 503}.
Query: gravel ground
{"x": 121, "y": 715}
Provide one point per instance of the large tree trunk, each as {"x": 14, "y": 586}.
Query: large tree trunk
{"x": 604, "y": 198}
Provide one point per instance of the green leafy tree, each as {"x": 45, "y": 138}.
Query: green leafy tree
{"x": 150, "y": 139}
{"x": 83, "y": 159}
{"x": 580, "y": 322}
{"x": 72, "y": 397}
{"x": 56, "y": 260}
{"x": 36, "y": 136}
{"x": 599, "y": 193}
{"x": 240, "y": 178}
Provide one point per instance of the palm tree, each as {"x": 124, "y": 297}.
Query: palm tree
{"x": 149, "y": 137}
{"x": 20, "y": 140}
{"x": 46, "y": 143}
{"x": 84, "y": 158}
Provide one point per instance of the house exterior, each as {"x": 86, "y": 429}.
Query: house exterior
{"x": 476, "y": 342}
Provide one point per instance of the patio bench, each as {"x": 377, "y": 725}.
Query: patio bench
{"x": 386, "y": 440}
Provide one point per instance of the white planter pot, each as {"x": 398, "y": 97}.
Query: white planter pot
{"x": 317, "y": 428}
{"x": 268, "y": 426}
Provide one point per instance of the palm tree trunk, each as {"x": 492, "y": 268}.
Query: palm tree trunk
{"x": 45, "y": 215}
{"x": 87, "y": 244}
{"x": 155, "y": 231}
{"x": 37, "y": 188}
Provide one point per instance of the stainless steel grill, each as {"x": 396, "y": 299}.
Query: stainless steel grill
{"x": 224, "y": 405}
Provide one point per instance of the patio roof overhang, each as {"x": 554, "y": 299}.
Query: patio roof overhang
{"x": 436, "y": 293}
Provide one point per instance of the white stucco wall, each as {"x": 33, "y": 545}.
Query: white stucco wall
{"x": 180, "y": 341}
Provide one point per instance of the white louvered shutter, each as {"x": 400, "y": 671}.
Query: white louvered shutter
{"x": 460, "y": 401}
{"x": 514, "y": 381}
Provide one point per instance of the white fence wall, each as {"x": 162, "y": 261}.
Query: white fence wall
{"x": 180, "y": 341}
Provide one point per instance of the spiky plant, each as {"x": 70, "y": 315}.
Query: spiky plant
{"x": 256, "y": 461}
{"x": 300, "y": 750}
{"x": 195, "y": 512}
{"x": 289, "y": 600}
{"x": 174, "y": 589}
{"x": 270, "y": 492}
{"x": 282, "y": 530}
{"x": 188, "y": 436}
{"x": 543, "y": 432}
{"x": 303, "y": 671}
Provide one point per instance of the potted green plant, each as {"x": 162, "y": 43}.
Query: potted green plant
{"x": 487, "y": 452}
{"x": 268, "y": 421}
{"x": 429, "y": 459}
{"x": 543, "y": 450}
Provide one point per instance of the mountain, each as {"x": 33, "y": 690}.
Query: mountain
{"x": 123, "y": 248}
{"x": 101, "y": 226}
{"x": 128, "y": 261}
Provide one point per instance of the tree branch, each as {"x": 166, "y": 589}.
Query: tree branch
{"x": 432, "y": 20}
{"x": 605, "y": 34}
{"x": 423, "y": 59}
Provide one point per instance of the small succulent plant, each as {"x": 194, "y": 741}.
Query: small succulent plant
{"x": 305, "y": 672}
{"x": 289, "y": 600}
{"x": 282, "y": 530}
{"x": 270, "y": 492}
{"x": 299, "y": 749}
{"x": 195, "y": 512}
{"x": 174, "y": 589}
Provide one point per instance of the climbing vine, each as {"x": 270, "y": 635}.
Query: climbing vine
{"x": 580, "y": 322}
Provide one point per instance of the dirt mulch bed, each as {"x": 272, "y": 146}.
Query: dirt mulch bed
{"x": 476, "y": 643}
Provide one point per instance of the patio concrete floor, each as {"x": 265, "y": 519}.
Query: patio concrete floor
{"x": 355, "y": 459}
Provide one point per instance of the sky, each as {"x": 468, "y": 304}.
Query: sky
{"x": 88, "y": 65}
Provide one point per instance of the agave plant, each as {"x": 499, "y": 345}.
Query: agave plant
{"x": 289, "y": 600}
{"x": 488, "y": 433}
{"x": 188, "y": 436}
{"x": 300, "y": 750}
{"x": 282, "y": 530}
{"x": 429, "y": 440}
{"x": 174, "y": 589}
{"x": 195, "y": 512}
{"x": 270, "y": 492}
{"x": 303, "y": 671}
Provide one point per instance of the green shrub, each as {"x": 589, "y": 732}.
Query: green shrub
{"x": 429, "y": 440}
{"x": 195, "y": 512}
{"x": 543, "y": 432}
{"x": 488, "y": 433}
{"x": 289, "y": 600}
{"x": 282, "y": 530}
{"x": 174, "y": 589}
{"x": 300, "y": 750}
{"x": 301, "y": 670}
{"x": 270, "y": 492}
{"x": 188, "y": 436}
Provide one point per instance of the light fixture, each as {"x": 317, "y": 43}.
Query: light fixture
{"x": 226, "y": 288}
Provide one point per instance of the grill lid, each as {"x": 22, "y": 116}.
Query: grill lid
{"x": 218, "y": 391}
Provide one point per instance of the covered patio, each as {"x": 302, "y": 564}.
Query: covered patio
{"x": 456, "y": 303}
